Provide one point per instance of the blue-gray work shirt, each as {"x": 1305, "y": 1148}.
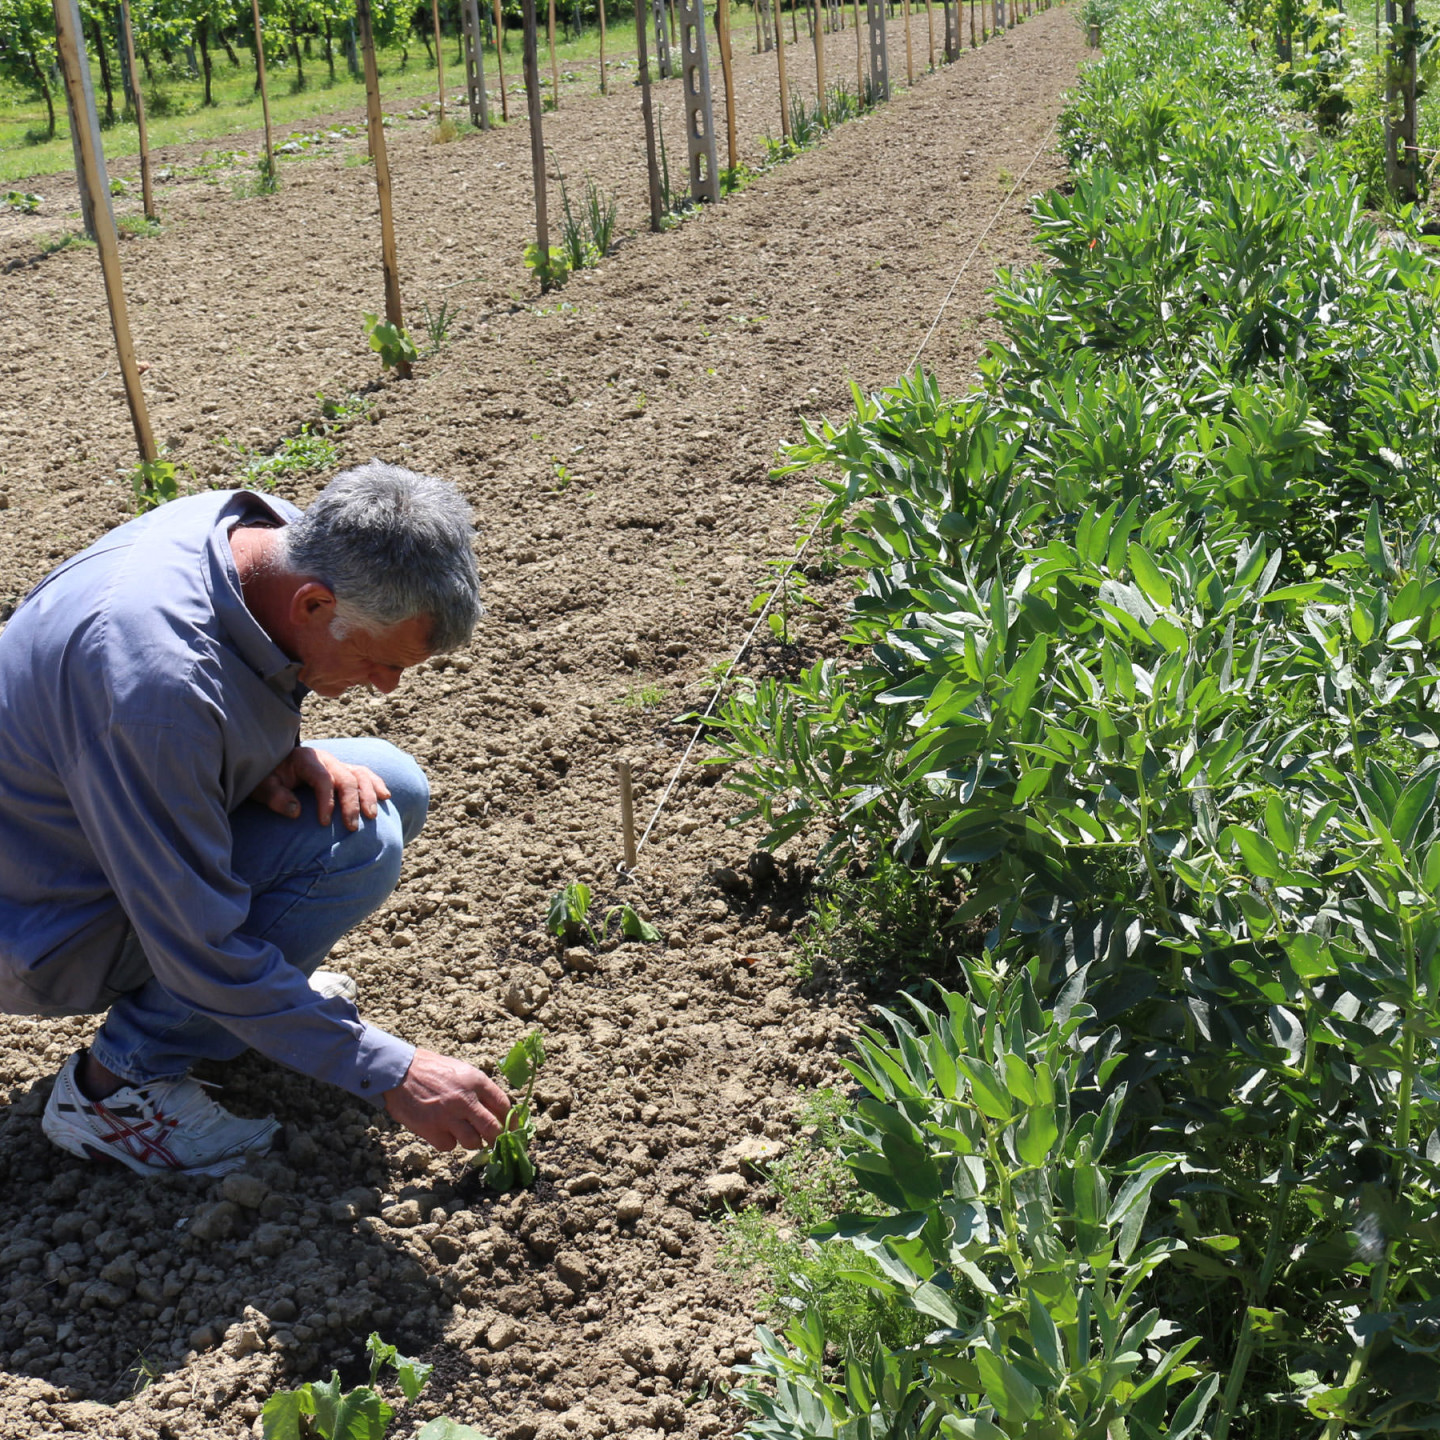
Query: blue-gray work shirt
{"x": 141, "y": 703}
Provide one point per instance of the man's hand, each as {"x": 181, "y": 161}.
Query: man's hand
{"x": 448, "y": 1103}
{"x": 359, "y": 791}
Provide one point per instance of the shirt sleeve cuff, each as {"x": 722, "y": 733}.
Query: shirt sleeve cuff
{"x": 381, "y": 1062}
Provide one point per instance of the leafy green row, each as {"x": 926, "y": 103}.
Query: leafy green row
{"x": 1152, "y": 622}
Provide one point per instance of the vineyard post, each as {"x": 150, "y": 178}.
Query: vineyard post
{"x": 859, "y": 69}
{"x": 554, "y": 63}
{"x": 145, "y": 185}
{"x": 475, "y": 64}
{"x": 1400, "y": 97}
{"x": 439, "y": 57}
{"x": 500, "y": 63}
{"x": 879, "y": 52}
{"x": 95, "y": 198}
{"x": 604, "y": 81}
{"x": 780, "y": 61}
{"x": 727, "y": 64}
{"x": 930, "y": 28}
{"x": 627, "y": 812}
{"x": 536, "y": 107}
{"x": 662, "y": 39}
{"x": 819, "y": 59}
{"x": 909, "y": 46}
{"x": 264, "y": 92}
{"x": 699, "y": 111}
{"x": 394, "y": 314}
{"x": 652, "y": 165}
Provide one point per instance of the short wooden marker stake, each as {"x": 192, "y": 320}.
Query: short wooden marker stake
{"x": 627, "y": 813}
{"x": 95, "y": 192}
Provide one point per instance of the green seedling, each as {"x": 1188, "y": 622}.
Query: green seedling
{"x": 507, "y": 1163}
{"x": 25, "y": 201}
{"x": 438, "y": 322}
{"x": 551, "y": 268}
{"x": 568, "y": 918}
{"x": 153, "y": 482}
{"x": 392, "y": 344}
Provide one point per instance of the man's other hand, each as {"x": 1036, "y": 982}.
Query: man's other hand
{"x": 358, "y": 791}
{"x": 448, "y": 1103}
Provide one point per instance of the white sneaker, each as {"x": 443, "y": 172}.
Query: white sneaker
{"x": 331, "y": 984}
{"x": 163, "y": 1126}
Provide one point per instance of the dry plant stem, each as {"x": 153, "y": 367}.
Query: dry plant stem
{"x": 146, "y": 188}
{"x": 85, "y": 129}
{"x": 500, "y": 62}
{"x": 394, "y": 313}
{"x": 439, "y": 57}
{"x": 554, "y": 63}
{"x": 265, "y": 92}
{"x": 780, "y": 61}
{"x": 604, "y": 79}
{"x": 536, "y": 107}
{"x": 652, "y": 164}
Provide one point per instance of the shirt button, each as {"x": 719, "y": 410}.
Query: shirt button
{"x": 364, "y": 1084}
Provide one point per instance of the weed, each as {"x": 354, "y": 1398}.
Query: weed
{"x": 564, "y": 478}
{"x": 119, "y": 186}
{"x": 444, "y": 132}
{"x": 674, "y": 205}
{"x": 643, "y": 697}
{"x": 25, "y": 201}
{"x": 299, "y": 455}
{"x": 438, "y": 322}
{"x": 141, "y": 226}
{"x": 586, "y": 237}
{"x": 265, "y": 181}
{"x": 391, "y": 343}
{"x": 600, "y": 213}
{"x": 64, "y": 240}
{"x": 1004, "y": 178}
{"x": 342, "y": 409}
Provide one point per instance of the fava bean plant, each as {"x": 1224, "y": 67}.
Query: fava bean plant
{"x": 1147, "y": 675}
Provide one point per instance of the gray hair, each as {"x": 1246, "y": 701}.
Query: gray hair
{"x": 392, "y": 545}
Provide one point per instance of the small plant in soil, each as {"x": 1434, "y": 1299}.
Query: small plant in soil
{"x": 25, "y": 201}
{"x": 391, "y": 343}
{"x": 438, "y": 323}
{"x": 551, "y": 269}
{"x": 507, "y": 1164}
{"x": 154, "y": 482}
{"x": 322, "y": 1411}
{"x": 299, "y": 455}
{"x": 567, "y": 918}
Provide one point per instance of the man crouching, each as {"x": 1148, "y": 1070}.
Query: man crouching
{"x": 173, "y": 856}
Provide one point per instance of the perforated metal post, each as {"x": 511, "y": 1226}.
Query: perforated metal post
{"x": 879, "y": 54}
{"x": 699, "y": 115}
{"x": 662, "y": 38}
{"x": 475, "y": 65}
{"x": 952, "y": 30}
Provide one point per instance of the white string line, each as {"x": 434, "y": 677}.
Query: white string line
{"x": 721, "y": 683}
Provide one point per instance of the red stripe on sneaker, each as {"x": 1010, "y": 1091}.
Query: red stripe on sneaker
{"x": 135, "y": 1142}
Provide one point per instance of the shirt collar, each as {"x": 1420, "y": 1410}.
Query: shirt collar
{"x": 251, "y": 642}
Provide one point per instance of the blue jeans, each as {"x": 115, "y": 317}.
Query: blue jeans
{"x": 309, "y": 885}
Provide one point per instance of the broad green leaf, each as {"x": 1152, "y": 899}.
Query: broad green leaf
{"x": 971, "y": 1428}
{"x": 1044, "y": 1336}
{"x": 1036, "y": 1133}
{"x": 444, "y": 1428}
{"x": 280, "y": 1419}
{"x": 1013, "y": 1396}
{"x": 986, "y": 1089}
{"x": 635, "y": 928}
{"x": 526, "y": 1057}
{"x": 1148, "y": 576}
{"x": 1258, "y": 853}
{"x": 1191, "y": 1410}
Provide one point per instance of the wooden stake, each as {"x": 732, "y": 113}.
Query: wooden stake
{"x": 604, "y": 79}
{"x": 95, "y": 189}
{"x": 726, "y": 64}
{"x": 439, "y": 57}
{"x": 909, "y": 48}
{"x": 642, "y": 19}
{"x": 930, "y": 26}
{"x": 819, "y": 59}
{"x": 394, "y": 314}
{"x": 500, "y": 63}
{"x": 780, "y": 60}
{"x": 859, "y": 64}
{"x": 150, "y": 211}
{"x": 264, "y": 93}
{"x": 536, "y": 107}
{"x": 627, "y": 813}
{"x": 554, "y": 64}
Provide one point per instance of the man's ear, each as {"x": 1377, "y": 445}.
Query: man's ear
{"x": 312, "y": 606}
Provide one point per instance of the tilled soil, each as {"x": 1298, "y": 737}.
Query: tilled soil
{"x": 616, "y": 442}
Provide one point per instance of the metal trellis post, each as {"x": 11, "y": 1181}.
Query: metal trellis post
{"x": 699, "y": 115}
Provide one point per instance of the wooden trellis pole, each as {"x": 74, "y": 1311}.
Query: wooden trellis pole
{"x": 146, "y": 189}
{"x": 727, "y": 63}
{"x": 652, "y": 164}
{"x": 930, "y": 27}
{"x": 909, "y": 47}
{"x": 500, "y": 63}
{"x": 375, "y": 119}
{"x": 604, "y": 79}
{"x": 536, "y": 107}
{"x": 270, "y": 174}
{"x": 780, "y": 61}
{"x": 819, "y": 58}
{"x": 439, "y": 57}
{"x": 554, "y": 63}
{"x": 100, "y": 218}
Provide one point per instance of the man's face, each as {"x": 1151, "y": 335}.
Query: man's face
{"x": 331, "y": 666}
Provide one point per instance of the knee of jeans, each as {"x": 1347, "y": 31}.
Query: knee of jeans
{"x": 409, "y": 789}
